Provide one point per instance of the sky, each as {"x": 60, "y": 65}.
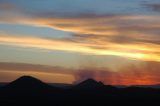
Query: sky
{"x": 67, "y": 41}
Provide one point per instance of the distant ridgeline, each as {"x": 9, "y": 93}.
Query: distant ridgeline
{"x": 29, "y": 90}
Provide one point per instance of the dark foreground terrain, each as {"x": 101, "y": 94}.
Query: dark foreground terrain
{"x": 28, "y": 91}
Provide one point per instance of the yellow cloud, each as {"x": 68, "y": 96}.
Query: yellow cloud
{"x": 145, "y": 52}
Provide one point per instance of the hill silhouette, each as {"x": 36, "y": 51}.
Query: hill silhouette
{"x": 27, "y": 83}
{"x": 89, "y": 83}
{"x": 29, "y": 90}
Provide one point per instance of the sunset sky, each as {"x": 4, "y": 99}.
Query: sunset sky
{"x": 67, "y": 41}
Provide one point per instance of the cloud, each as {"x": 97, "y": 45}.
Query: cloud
{"x": 153, "y": 6}
{"x": 130, "y": 36}
{"x": 143, "y": 74}
{"x": 7, "y": 6}
{"x": 103, "y": 75}
{"x": 11, "y": 71}
{"x": 33, "y": 68}
{"x": 147, "y": 52}
{"x": 107, "y": 25}
{"x": 45, "y": 44}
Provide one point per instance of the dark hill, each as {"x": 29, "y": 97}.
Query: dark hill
{"x": 28, "y": 86}
{"x": 26, "y": 82}
{"x": 89, "y": 83}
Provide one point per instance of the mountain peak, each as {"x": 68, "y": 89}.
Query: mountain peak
{"x": 90, "y": 83}
{"x": 26, "y": 80}
{"x": 90, "y": 79}
{"x": 27, "y": 85}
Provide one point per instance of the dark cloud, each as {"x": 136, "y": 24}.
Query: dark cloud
{"x": 153, "y": 6}
{"x": 7, "y": 6}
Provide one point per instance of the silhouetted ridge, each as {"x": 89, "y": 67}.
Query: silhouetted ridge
{"x": 90, "y": 83}
{"x": 27, "y": 79}
{"x": 30, "y": 90}
{"x": 28, "y": 85}
{"x": 27, "y": 82}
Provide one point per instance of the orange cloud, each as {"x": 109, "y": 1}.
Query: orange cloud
{"x": 107, "y": 25}
{"x": 146, "y": 73}
{"x": 143, "y": 74}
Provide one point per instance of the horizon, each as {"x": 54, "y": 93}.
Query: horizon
{"x": 115, "y": 42}
{"x": 76, "y": 82}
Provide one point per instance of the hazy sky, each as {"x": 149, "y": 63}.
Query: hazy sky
{"x": 114, "y": 41}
